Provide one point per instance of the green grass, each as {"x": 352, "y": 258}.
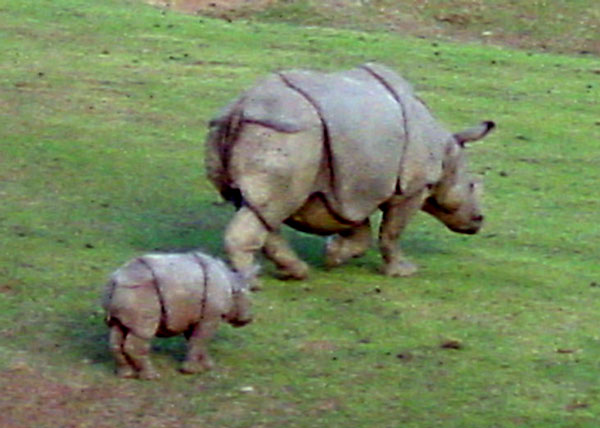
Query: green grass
{"x": 103, "y": 111}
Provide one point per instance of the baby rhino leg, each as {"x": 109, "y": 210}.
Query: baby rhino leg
{"x": 137, "y": 350}
{"x": 197, "y": 358}
{"x": 116, "y": 341}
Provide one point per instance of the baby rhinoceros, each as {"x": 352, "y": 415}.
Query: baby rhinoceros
{"x": 167, "y": 294}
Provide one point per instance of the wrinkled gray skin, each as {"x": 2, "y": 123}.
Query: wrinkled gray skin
{"x": 322, "y": 152}
{"x": 169, "y": 294}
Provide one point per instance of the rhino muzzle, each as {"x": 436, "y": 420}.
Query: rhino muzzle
{"x": 240, "y": 322}
{"x": 472, "y": 229}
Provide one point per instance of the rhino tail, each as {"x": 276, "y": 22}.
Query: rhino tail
{"x": 226, "y": 127}
{"x": 223, "y": 133}
{"x": 475, "y": 133}
{"x": 109, "y": 290}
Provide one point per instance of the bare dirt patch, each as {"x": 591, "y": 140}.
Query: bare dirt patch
{"x": 33, "y": 399}
{"x": 217, "y": 6}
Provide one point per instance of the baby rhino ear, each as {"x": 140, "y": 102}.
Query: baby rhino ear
{"x": 248, "y": 276}
{"x": 475, "y": 133}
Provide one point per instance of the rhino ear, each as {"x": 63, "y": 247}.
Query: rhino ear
{"x": 475, "y": 133}
{"x": 247, "y": 277}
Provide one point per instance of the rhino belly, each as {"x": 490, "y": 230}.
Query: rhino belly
{"x": 317, "y": 217}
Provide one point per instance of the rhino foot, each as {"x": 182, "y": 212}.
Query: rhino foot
{"x": 126, "y": 372}
{"x": 353, "y": 243}
{"x": 336, "y": 255}
{"x": 149, "y": 375}
{"x": 400, "y": 269}
{"x": 256, "y": 285}
{"x": 332, "y": 261}
{"x": 192, "y": 367}
{"x": 296, "y": 271}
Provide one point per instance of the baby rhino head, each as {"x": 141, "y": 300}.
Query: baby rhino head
{"x": 240, "y": 313}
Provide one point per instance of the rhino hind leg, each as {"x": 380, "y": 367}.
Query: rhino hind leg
{"x": 278, "y": 250}
{"x": 275, "y": 172}
{"x": 245, "y": 234}
{"x": 348, "y": 244}
{"x": 116, "y": 339}
{"x": 396, "y": 215}
{"x": 137, "y": 350}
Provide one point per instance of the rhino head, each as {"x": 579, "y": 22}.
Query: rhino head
{"x": 456, "y": 199}
{"x": 240, "y": 312}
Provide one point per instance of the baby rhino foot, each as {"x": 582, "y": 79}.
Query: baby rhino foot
{"x": 149, "y": 375}
{"x": 402, "y": 268}
{"x": 255, "y": 284}
{"x": 192, "y": 367}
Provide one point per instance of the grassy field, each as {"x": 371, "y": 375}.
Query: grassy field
{"x": 103, "y": 111}
{"x": 555, "y": 26}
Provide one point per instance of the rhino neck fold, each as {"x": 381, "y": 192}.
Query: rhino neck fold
{"x": 204, "y": 268}
{"x": 390, "y": 88}
{"x": 394, "y": 94}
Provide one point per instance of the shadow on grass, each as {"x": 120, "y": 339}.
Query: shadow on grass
{"x": 311, "y": 248}
{"x": 202, "y": 226}
{"x": 88, "y": 341}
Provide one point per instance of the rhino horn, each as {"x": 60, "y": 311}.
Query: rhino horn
{"x": 244, "y": 279}
{"x": 475, "y": 133}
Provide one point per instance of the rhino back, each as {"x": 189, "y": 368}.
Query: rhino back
{"x": 274, "y": 104}
{"x": 271, "y": 103}
{"x": 180, "y": 282}
{"x": 365, "y": 134}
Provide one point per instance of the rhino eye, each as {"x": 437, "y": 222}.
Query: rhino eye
{"x": 471, "y": 186}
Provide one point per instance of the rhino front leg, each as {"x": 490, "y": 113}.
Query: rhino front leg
{"x": 396, "y": 215}
{"x": 197, "y": 358}
{"x": 348, "y": 244}
{"x": 137, "y": 350}
{"x": 278, "y": 250}
{"x": 244, "y": 235}
{"x": 116, "y": 340}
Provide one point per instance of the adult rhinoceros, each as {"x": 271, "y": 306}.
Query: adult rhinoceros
{"x": 321, "y": 152}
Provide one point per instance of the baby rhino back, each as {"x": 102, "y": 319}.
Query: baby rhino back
{"x": 180, "y": 282}
{"x": 165, "y": 294}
